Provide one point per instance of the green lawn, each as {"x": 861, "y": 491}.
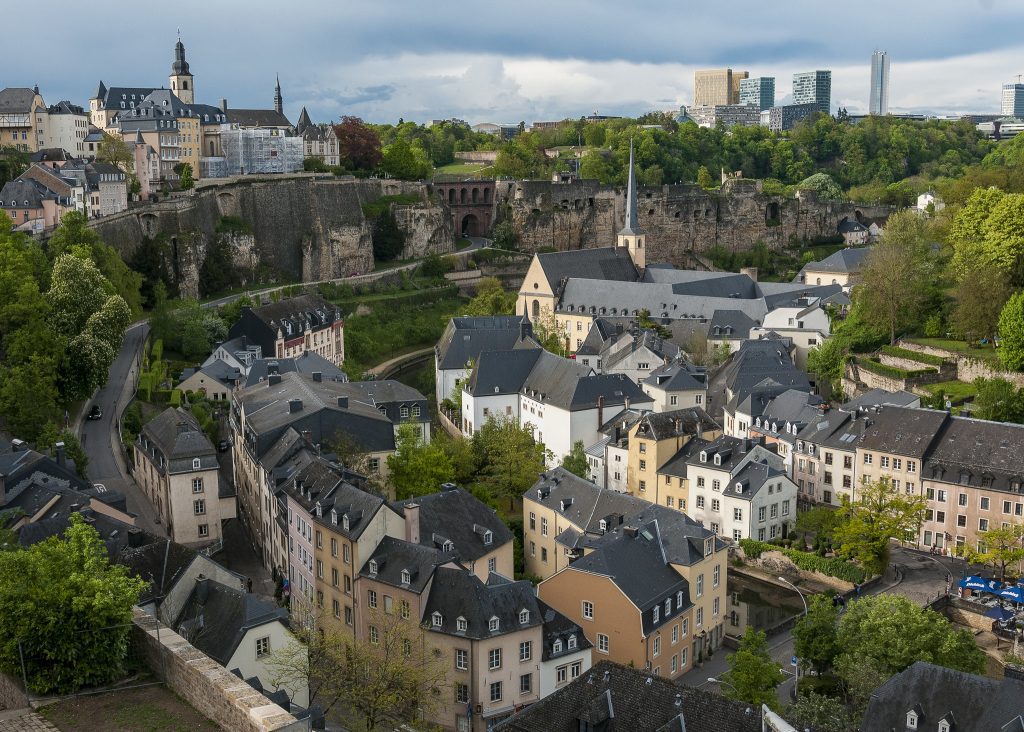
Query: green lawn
{"x": 468, "y": 169}
{"x": 146, "y": 709}
{"x": 985, "y": 354}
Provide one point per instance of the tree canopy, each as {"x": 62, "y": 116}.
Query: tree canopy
{"x": 878, "y": 514}
{"x": 417, "y": 467}
{"x": 753, "y": 674}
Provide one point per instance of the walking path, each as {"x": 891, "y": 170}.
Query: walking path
{"x": 24, "y": 720}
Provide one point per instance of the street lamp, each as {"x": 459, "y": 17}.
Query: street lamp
{"x": 783, "y": 579}
{"x": 713, "y": 680}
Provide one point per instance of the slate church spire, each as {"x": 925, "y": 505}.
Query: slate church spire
{"x": 632, "y": 236}
{"x": 278, "y": 100}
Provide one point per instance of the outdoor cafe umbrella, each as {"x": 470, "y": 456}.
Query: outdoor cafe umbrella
{"x": 976, "y": 583}
{"x": 1013, "y": 593}
{"x": 999, "y": 613}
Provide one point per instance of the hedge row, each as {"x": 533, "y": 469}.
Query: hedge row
{"x": 913, "y": 355}
{"x": 833, "y": 567}
{"x": 891, "y": 371}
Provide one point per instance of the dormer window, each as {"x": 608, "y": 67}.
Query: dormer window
{"x": 572, "y": 641}
{"x": 460, "y": 624}
{"x": 345, "y": 522}
{"x": 656, "y": 613}
{"x": 373, "y": 566}
{"x": 493, "y": 623}
{"x": 602, "y": 525}
{"x": 556, "y": 647}
{"x": 703, "y": 456}
{"x": 436, "y": 620}
{"x": 718, "y": 459}
{"x": 668, "y": 606}
{"x": 447, "y": 546}
{"x": 739, "y": 487}
{"x": 944, "y": 725}
{"x": 679, "y": 599}
{"x": 406, "y": 577}
{"x": 524, "y": 617}
{"x": 912, "y": 719}
{"x": 709, "y": 546}
{"x": 488, "y": 538}
{"x": 196, "y": 463}
{"x": 334, "y": 517}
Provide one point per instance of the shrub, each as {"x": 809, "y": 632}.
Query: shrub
{"x": 833, "y": 567}
{"x": 872, "y": 365}
{"x": 909, "y": 355}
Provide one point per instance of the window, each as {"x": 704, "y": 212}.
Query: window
{"x": 492, "y": 624}
{"x": 675, "y": 633}
{"x": 911, "y": 466}
{"x": 196, "y": 463}
{"x": 1006, "y": 507}
{"x": 643, "y": 465}
{"x": 199, "y": 507}
{"x": 533, "y": 521}
{"x": 760, "y": 513}
{"x": 345, "y": 549}
{"x": 543, "y": 527}
{"x": 774, "y": 510}
{"x": 496, "y": 691}
{"x": 911, "y": 720}
{"x": 525, "y": 683}
{"x": 602, "y": 643}
{"x": 940, "y": 516}
{"x": 561, "y": 673}
{"x": 984, "y": 503}
{"x": 700, "y": 585}
{"x": 262, "y": 646}
{"x": 675, "y": 664}
{"x": 699, "y": 620}
{"x": 525, "y": 650}
{"x": 571, "y": 643}
{"x": 197, "y": 485}
{"x": 544, "y": 554}
{"x": 716, "y": 576}
{"x": 961, "y": 520}
{"x": 643, "y": 485}
{"x": 942, "y": 496}
{"x": 436, "y": 620}
{"x": 492, "y": 564}
{"x": 884, "y": 461}
{"x": 714, "y": 605}
{"x": 686, "y": 627}
{"x": 524, "y": 616}
{"x": 962, "y": 499}
{"x": 643, "y": 447}
{"x": 737, "y": 514}
{"x": 588, "y": 610}
{"x": 319, "y": 569}
{"x": 673, "y": 400}
{"x": 668, "y": 606}
{"x": 983, "y": 524}
{"x": 334, "y": 547}
{"x": 374, "y": 635}
{"x": 700, "y": 501}
{"x": 867, "y": 458}
{"x": 716, "y": 485}
{"x": 785, "y": 508}
{"x": 657, "y": 646}
{"x": 336, "y": 607}
{"x": 461, "y": 659}
{"x": 737, "y": 534}
{"x": 462, "y": 694}
{"x": 204, "y": 529}
{"x": 404, "y": 609}
{"x": 371, "y": 598}
{"x": 656, "y": 613}
{"x": 716, "y": 505}
{"x": 700, "y": 481}
{"x": 494, "y": 658}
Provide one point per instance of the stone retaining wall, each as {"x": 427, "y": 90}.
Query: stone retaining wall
{"x": 12, "y": 693}
{"x": 967, "y": 369}
{"x": 209, "y": 687}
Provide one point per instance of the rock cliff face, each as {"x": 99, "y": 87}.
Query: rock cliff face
{"x": 301, "y": 226}
{"x": 678, "y": 219}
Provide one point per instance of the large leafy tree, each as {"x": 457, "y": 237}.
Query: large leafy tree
{"x": 998, "y": 400}
{"x": 882, "y": 635}
{"x": 358, "y": 145}
{"x": 65, "y": 611}
{"x": 576, "y": 461}
{"x": 879, "y": 514}
{"x": 29, "y": 396}
{"x": 77, "y": 290}
{"x": 815, "y": 635}
{"x": 1011, "y": 332}
{"x": 980, "y": 297}
{"x": 113, "y": 149}
{"x": 892, "y": 290}
{"x": 417, "y": 467}
{"x": 999, "y": 548}
{"x": 821, "y": 713}
{"x": 510, "y": 460}
{"x": 491, "y": 299}
{"x": 405, "y": 161}
{"x": 753, "y": 674}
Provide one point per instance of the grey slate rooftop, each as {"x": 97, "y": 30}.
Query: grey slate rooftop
{"x": 175, "y": 436}
{"x": 456, "y": 515}
{"x": 465, "y": 338}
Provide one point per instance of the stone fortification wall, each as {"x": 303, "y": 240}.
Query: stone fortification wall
{"x": 679, "y": 219}
{"x": 301, "y": 226}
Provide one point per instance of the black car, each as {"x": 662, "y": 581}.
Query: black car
{"x": 95, "y": 412}
{"x": 223, "y": 446}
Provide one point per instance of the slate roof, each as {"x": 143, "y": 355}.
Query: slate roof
{"x": 216, "y": 370}
{"x": 175, "y": 435}
{"x": 977, "y": 703}
{"x": 730, "y": 325}
{"x": 33, "y": 482}
{"x": 458, "y": 516}
{"x": 346, "y": 500}
{"x": 257, "y": 118}
{"x": 663, "y": 425}
{"x": 603, "y": 263}
{"x": 298, "y": 312}
{"x": 51, "y": 154}
{"x": 733, "y": 453}
{"x": 601, "y": 331}
{"x": 848, "y": 225}
{"x": 217, "y": 625}
{"x": 903, "y": 431}
{"x": 307, "y": 364}
{"x": 554, "y": 377}
{"x": 752, "y": 477}
{"x": 787, "y": 407}
{"x": 392, "y": 556}
{"x": 457, "y": 592}
{"x": 618, "y": 348}
{"x": 502, "y": 372}
{"x": 757, "y": 361}
{"x": 836, "y": 428}
{"x": 678, "y": 375}
{"x": 465, "y": 338}
{"x": 615, "y": 698}
{"x": 16, "y": 100}
{"x": 979, "y": 453}
{"x": 631, "y": 226}
{"x": 559, "y": 627}
{"x": 676, "y": 465}
{"x": 849, "y": 260}
{"x": 111, "y": 98}
{"x": 21, "y": 192}
{"x": 881, "y": 397}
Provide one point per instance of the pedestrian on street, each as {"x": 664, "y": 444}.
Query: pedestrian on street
{"x": 856, "y": 589}
{"x": 249, "y": 583}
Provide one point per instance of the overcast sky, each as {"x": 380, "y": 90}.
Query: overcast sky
{"x": 526, "y": 60}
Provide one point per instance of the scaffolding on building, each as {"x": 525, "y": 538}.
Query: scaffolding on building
{"x": 260, "y": 151}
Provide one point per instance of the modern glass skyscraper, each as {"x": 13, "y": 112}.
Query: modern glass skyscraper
{"x": 813, "y": 87}
{"x": 1013, "y": 101}
{"x": 759, "y": 91}
{"x": 713, "y": 87}
{"x": 879, "y": 101}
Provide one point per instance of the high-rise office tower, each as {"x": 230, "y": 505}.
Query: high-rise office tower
{"x": 879, "y": 100}
{"x": 759, "y": 91}
{"x": 813, "y": 87}
{"x": 1013, "y": 101}
{"x": 713, "y": 87}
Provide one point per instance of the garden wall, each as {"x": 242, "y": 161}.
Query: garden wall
{"x": 12, "y": 693}
{"x": 209, "y": 687}
{"x": 967, "y": 369}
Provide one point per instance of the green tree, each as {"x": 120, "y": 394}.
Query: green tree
{"x": 417, "y": 467}
{"x": 114, "y": 150}
{"x": 185, "y": 180}
{"x": 980, "y": 297}
{"x": 405, "y": 161}
{"x": 109, "y": 322}
{"x": 827, "y": 361}
{"x": 704, "y": 179}
{"x": 77, "y": 290}
{"x": 968, "y": 231}
{"x": 576, "y": 461}
{"x": 86, "y": 364}
{"x": 55, "y": 597}
{"x": 491, "y": 299}
{"x": 358, "y": 144}
{"x": 878, "y": 514}
{"x": 999, "y": 548}
{"x": 510, "y": 460}
{"x": 815, "y": 637}
{"x": 891, "y": 293}
{"x": 73, "y": 450}
{"x": 29, "y": 396}
{"x": 881, "y": 635}
{"x": 998, "y": 400}
{"x": 824, "y": 185}
{"x": 388, "y": 237}
{"x": 821, "y": 713}
{"x": 504, "y": 235}
{"x": 753, "y": 674}
{"x": 1011, "y": 333}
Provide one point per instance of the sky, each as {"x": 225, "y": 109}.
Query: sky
{"x": 519, "y": 61}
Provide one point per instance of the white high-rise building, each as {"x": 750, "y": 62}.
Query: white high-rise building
{"x": 879, "y": 101}
{"x": 1013, "y": 101}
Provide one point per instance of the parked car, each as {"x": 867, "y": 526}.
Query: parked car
{"x": 223, "y": 446}
{"x": 95, "y": 412}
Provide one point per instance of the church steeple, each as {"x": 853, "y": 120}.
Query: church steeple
{"x": 631, "y": 236}
{"x": 278, "y": 100}
{"x": 181, "y": 79}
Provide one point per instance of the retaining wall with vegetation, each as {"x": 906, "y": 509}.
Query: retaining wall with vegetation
{"x": 967, "y": 369}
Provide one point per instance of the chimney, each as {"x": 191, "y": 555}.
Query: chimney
{"x": 274, "y": 379}
{"x": 3, "y": 489}
{"x": 294, "y": 405}
{"x": 307, "y": 435}
{"x": 412, "y": 523}
{"x": 343, "y": 402}
{"x": 202, "y": 589}
{"x": 224, "y": 104}
{"x": 17, "y": 445}
{"x": 135, "y": 537}
{"x": 630, "y": 531}
{"x": 317, "y": 375}
{"x": 600, "y": 411}
{"x": 626, "y": 404}
{"x": 61, "y": 457}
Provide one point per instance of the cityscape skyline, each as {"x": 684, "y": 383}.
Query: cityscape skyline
{"x": 479, "y": 65}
